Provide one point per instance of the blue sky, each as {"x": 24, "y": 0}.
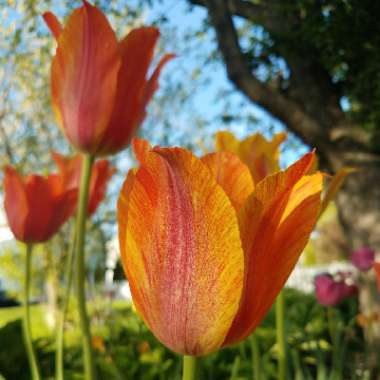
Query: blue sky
{"x": 207, "y": 99}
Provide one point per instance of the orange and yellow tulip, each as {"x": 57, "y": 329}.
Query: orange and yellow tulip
{"x": 98, "y": 84}
{"x": 36, "y": 206}
{"x": 205, "y": 250}
{"x": 259, "y": 154}
{"x": 70, "y": 172}
{"x": 262, "y": 158}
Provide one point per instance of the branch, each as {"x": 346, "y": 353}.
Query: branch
{"x": 271, "y": 99}
{"x": 257, "y": 13}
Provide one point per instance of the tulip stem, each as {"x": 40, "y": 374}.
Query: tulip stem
{"x": 189, "y": 367}
{"x": 280, "y": 332}
{"x": 255, "y": 356}
{"x": 26, "y": 325}
{"x": 59, "y": 371}
{"x": 88, "y": 359}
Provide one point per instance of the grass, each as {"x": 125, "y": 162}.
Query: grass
{"x": 40, "y": 328}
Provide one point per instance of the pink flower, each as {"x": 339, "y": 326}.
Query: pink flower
{"x": 331, "y": 291}
{"x": 328, "y": 291}
{"x": 363, "y": 258}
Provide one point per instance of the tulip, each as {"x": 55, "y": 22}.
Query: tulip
{"x": 332, "y": 291}
{"x": 204, "y": 249}
{"x": 363, "y": 258}
{"x": 99, "y": 85}
{"x": 259, "y": 154}
{"x": 36, "y": 206}
{"x": 328, "y": 291}
{"x": 70, "y": 171}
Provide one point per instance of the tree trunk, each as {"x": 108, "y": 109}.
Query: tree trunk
{"x": 358, "y": 204}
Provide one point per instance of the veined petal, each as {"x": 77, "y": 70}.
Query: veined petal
{"x": 181, "y": 251}
{"x": 230, "y": 173}
{"x": 136, "y": 51}
{"x": 53, "y": 23}
{"x": 275, "y": 224}
{"x": 84, "y": 77}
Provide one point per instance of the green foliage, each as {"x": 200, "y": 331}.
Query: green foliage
{"x": 345, "y": 37}
{"x": 126, "y": 349}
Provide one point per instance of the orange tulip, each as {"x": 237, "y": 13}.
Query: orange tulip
{"x": 204, "y": 250}
{"x": 70, "y": 171}
{"x": 98, "y": 84}
{"x": 36, "y": 206}
{"x": 260, "y": 155}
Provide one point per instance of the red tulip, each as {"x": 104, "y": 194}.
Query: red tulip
{"x": 99, "y": 85}
{"x": 206, "y": 252}
{"x": 70, "y": 171}
{"x": 36, "y": 206}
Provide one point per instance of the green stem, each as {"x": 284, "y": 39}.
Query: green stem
{"x": 26, "y": 325}
{"x": 335, "y": 346}
{"x": 59, "y": 370}
{"x": 255, "y": 356}
{"x": 331, "y": 325}
{"x": 88, "y": 359}
{"x": 235, "y": 368}
{"x": 280, "y": 332}
{"x": 189, "y": 367}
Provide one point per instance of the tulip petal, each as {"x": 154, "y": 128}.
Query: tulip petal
{"x": 152, "y": 84}
{"x": 225, "y": 140}
{"x": 261, "y": 155}
{"x": 69, "y": 169}
{"x": 181, "y": 250}
{"x": 136, "y": 51}
{"x": 64, "y": 206}
{"x": 275, "y": 225}
{"x": 230, "y": 173}
{"x": 84, "y": 77}
{"x": 102, "y": 171}
{"x": 53, "y": 23}
{"x": 39, "y": 198}
{"x": 140, "y": 148}
{"x": 14, "y": 195}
